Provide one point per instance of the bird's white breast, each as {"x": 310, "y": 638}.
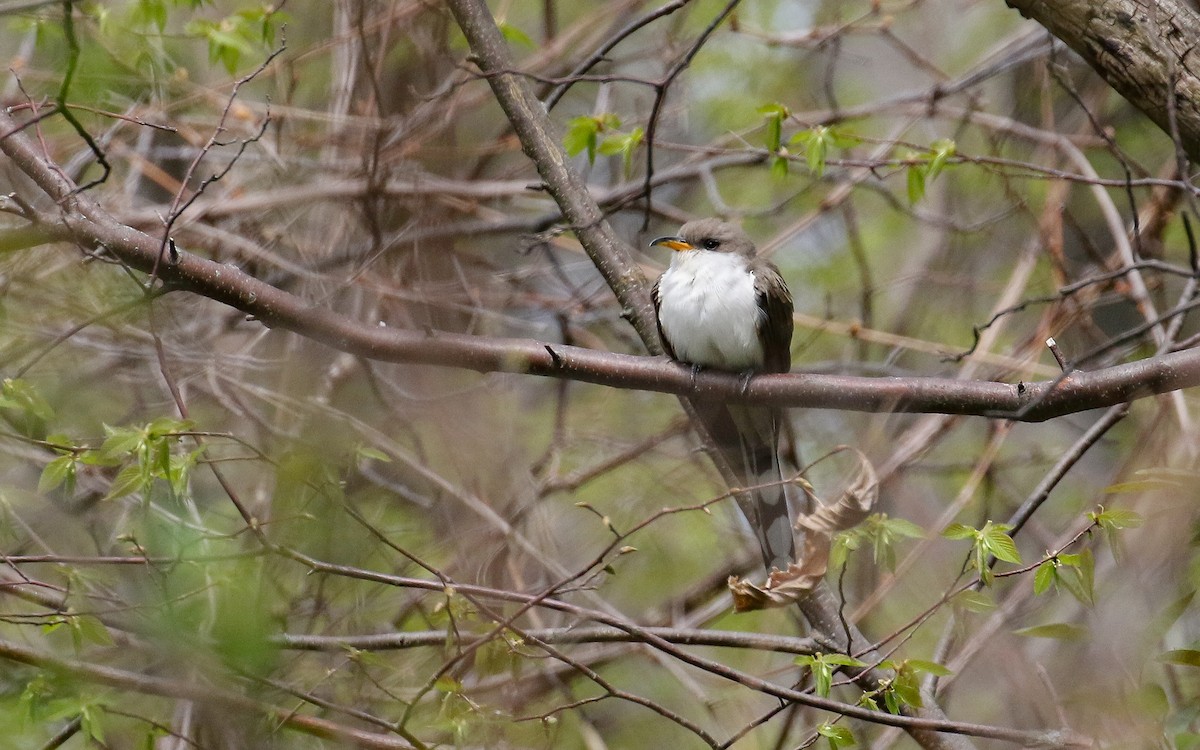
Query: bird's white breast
{"x": 709, "y": 312}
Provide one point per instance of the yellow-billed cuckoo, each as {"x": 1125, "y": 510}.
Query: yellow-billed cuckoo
{"x": 721, "y": 306}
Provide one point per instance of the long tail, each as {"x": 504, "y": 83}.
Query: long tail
{"x": 748, "y": 438}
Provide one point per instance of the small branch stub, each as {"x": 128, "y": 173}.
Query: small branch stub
{"x": 1058, "y": 355}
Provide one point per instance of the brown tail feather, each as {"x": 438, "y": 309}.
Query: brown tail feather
{"x": 748, "y": 439}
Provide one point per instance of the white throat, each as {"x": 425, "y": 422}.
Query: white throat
{"x": 709, "y": 311}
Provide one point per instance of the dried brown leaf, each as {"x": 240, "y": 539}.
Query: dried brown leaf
{"x": 785, "y": 587}
{"x": 851, "y": 508}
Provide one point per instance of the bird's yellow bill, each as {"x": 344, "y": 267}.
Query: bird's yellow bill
{"x": 675, "y": 243}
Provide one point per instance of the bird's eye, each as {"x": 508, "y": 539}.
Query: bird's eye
{"x": 710, "y": 244}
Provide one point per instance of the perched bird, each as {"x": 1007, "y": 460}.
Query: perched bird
{"x": 720, "y": 306}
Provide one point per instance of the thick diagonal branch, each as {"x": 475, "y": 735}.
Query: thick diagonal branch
{"x": 539, "y": 140}
{"x": 1145, "y": 49}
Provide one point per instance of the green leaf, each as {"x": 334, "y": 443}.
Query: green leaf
{"x": 928, "y": 667}
{"x": 817, "y": 142}
{"x": 91, "y": 630}
{"x": 902, "y": 527}
{"x": 774, "y": 132}
{"x": 842, "y": 660}
{"x": 1183, "y": 656}
{"x": 447, "y": 684}
{"x": 1112, "y": 521}
{"x": 774, "y": 109}
{"x": 150, "y": 12}
{"x": 631, "y": 143}
{"x": 27, "y": 397}
{"x": 90, "y": 715}
{"x": 1117, "y": 518}
{"x": 775, "y": 113}
{"x": 583, "y": 133}
{"x": 58, "y": 472}
{"x": 892, "y": 702}
{"x": 822, "y": 672}
{"x": 168, "y": 426}
{"x": 990, "y": 540}
{"x": 999, "y": 544}
{"x": 128, "y": 480}
{"x": 624, "y": 144}
{"x": 1077, "y": 575}
{"x": 974, "y": 601}
{"x": 907, "y": 687}
{"x": 579, "y": 131}
{"x": 823, "y": 677}
{"x": 160, "y": 459}
{"x": 1140, "y": 485}
{"x": 884, "y": 533}
{"x": 24, "y": 408}
{"x": 838, "y": 736}
{"x": 608, "y": 121}
{"x": 515, "y": 36}
{"x": 228, "y": 39}
{"x": 958, "y": 531}
{"x": 916, "y": 182}
{"x": 942, "y": 149}
{"x": 1045, "y": 577}
{"x": 822, "y": 667}
{"x": 121, "y": 442}
{"x": 611, "y": 146}
{"x": 1062, "y": 631}
{"x": 367, "y": 452}
{"x": 816, "y": 150}
{"x": 779, "y": 167}
{"x": 843, "y": 544}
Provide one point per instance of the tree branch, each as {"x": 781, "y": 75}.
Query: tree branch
{"x": 538, "y": 139}
{"x": 83, "y": 221}
{"x": 195, "y": 691}
{"x": 576, "y": 634}
{"x": 1133, "y": 45}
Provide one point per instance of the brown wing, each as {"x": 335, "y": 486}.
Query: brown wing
{"x": 657, "y": 299}
{"x": 775, "y": 330}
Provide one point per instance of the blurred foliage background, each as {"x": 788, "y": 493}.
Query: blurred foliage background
{"x": 914, "y": 168}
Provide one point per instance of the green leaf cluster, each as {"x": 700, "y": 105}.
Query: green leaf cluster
{"x": 584, "y": 134}
{"x": 881, "y": 533}
{"x": 246, "y": 32}
{"x": 1073, "y": 571}
{"x": 990, "y": 541}
{"x": 923, "y": 168}
{"x": 145, "y": 454}
{"x": 24, "y": 408}
{"x": 1113, "y": 520}
{"x": 48, "y": 701}
{"x": 903, "y": 689}
{"x": 817, "y": 142}
{"x": 837, "y": 736}
{"x": 823, "y": 666}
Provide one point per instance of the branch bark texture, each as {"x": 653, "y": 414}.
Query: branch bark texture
{"x": 1145, "y": 49}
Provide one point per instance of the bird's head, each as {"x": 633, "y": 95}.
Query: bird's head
{"x": 713, "y": 235}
